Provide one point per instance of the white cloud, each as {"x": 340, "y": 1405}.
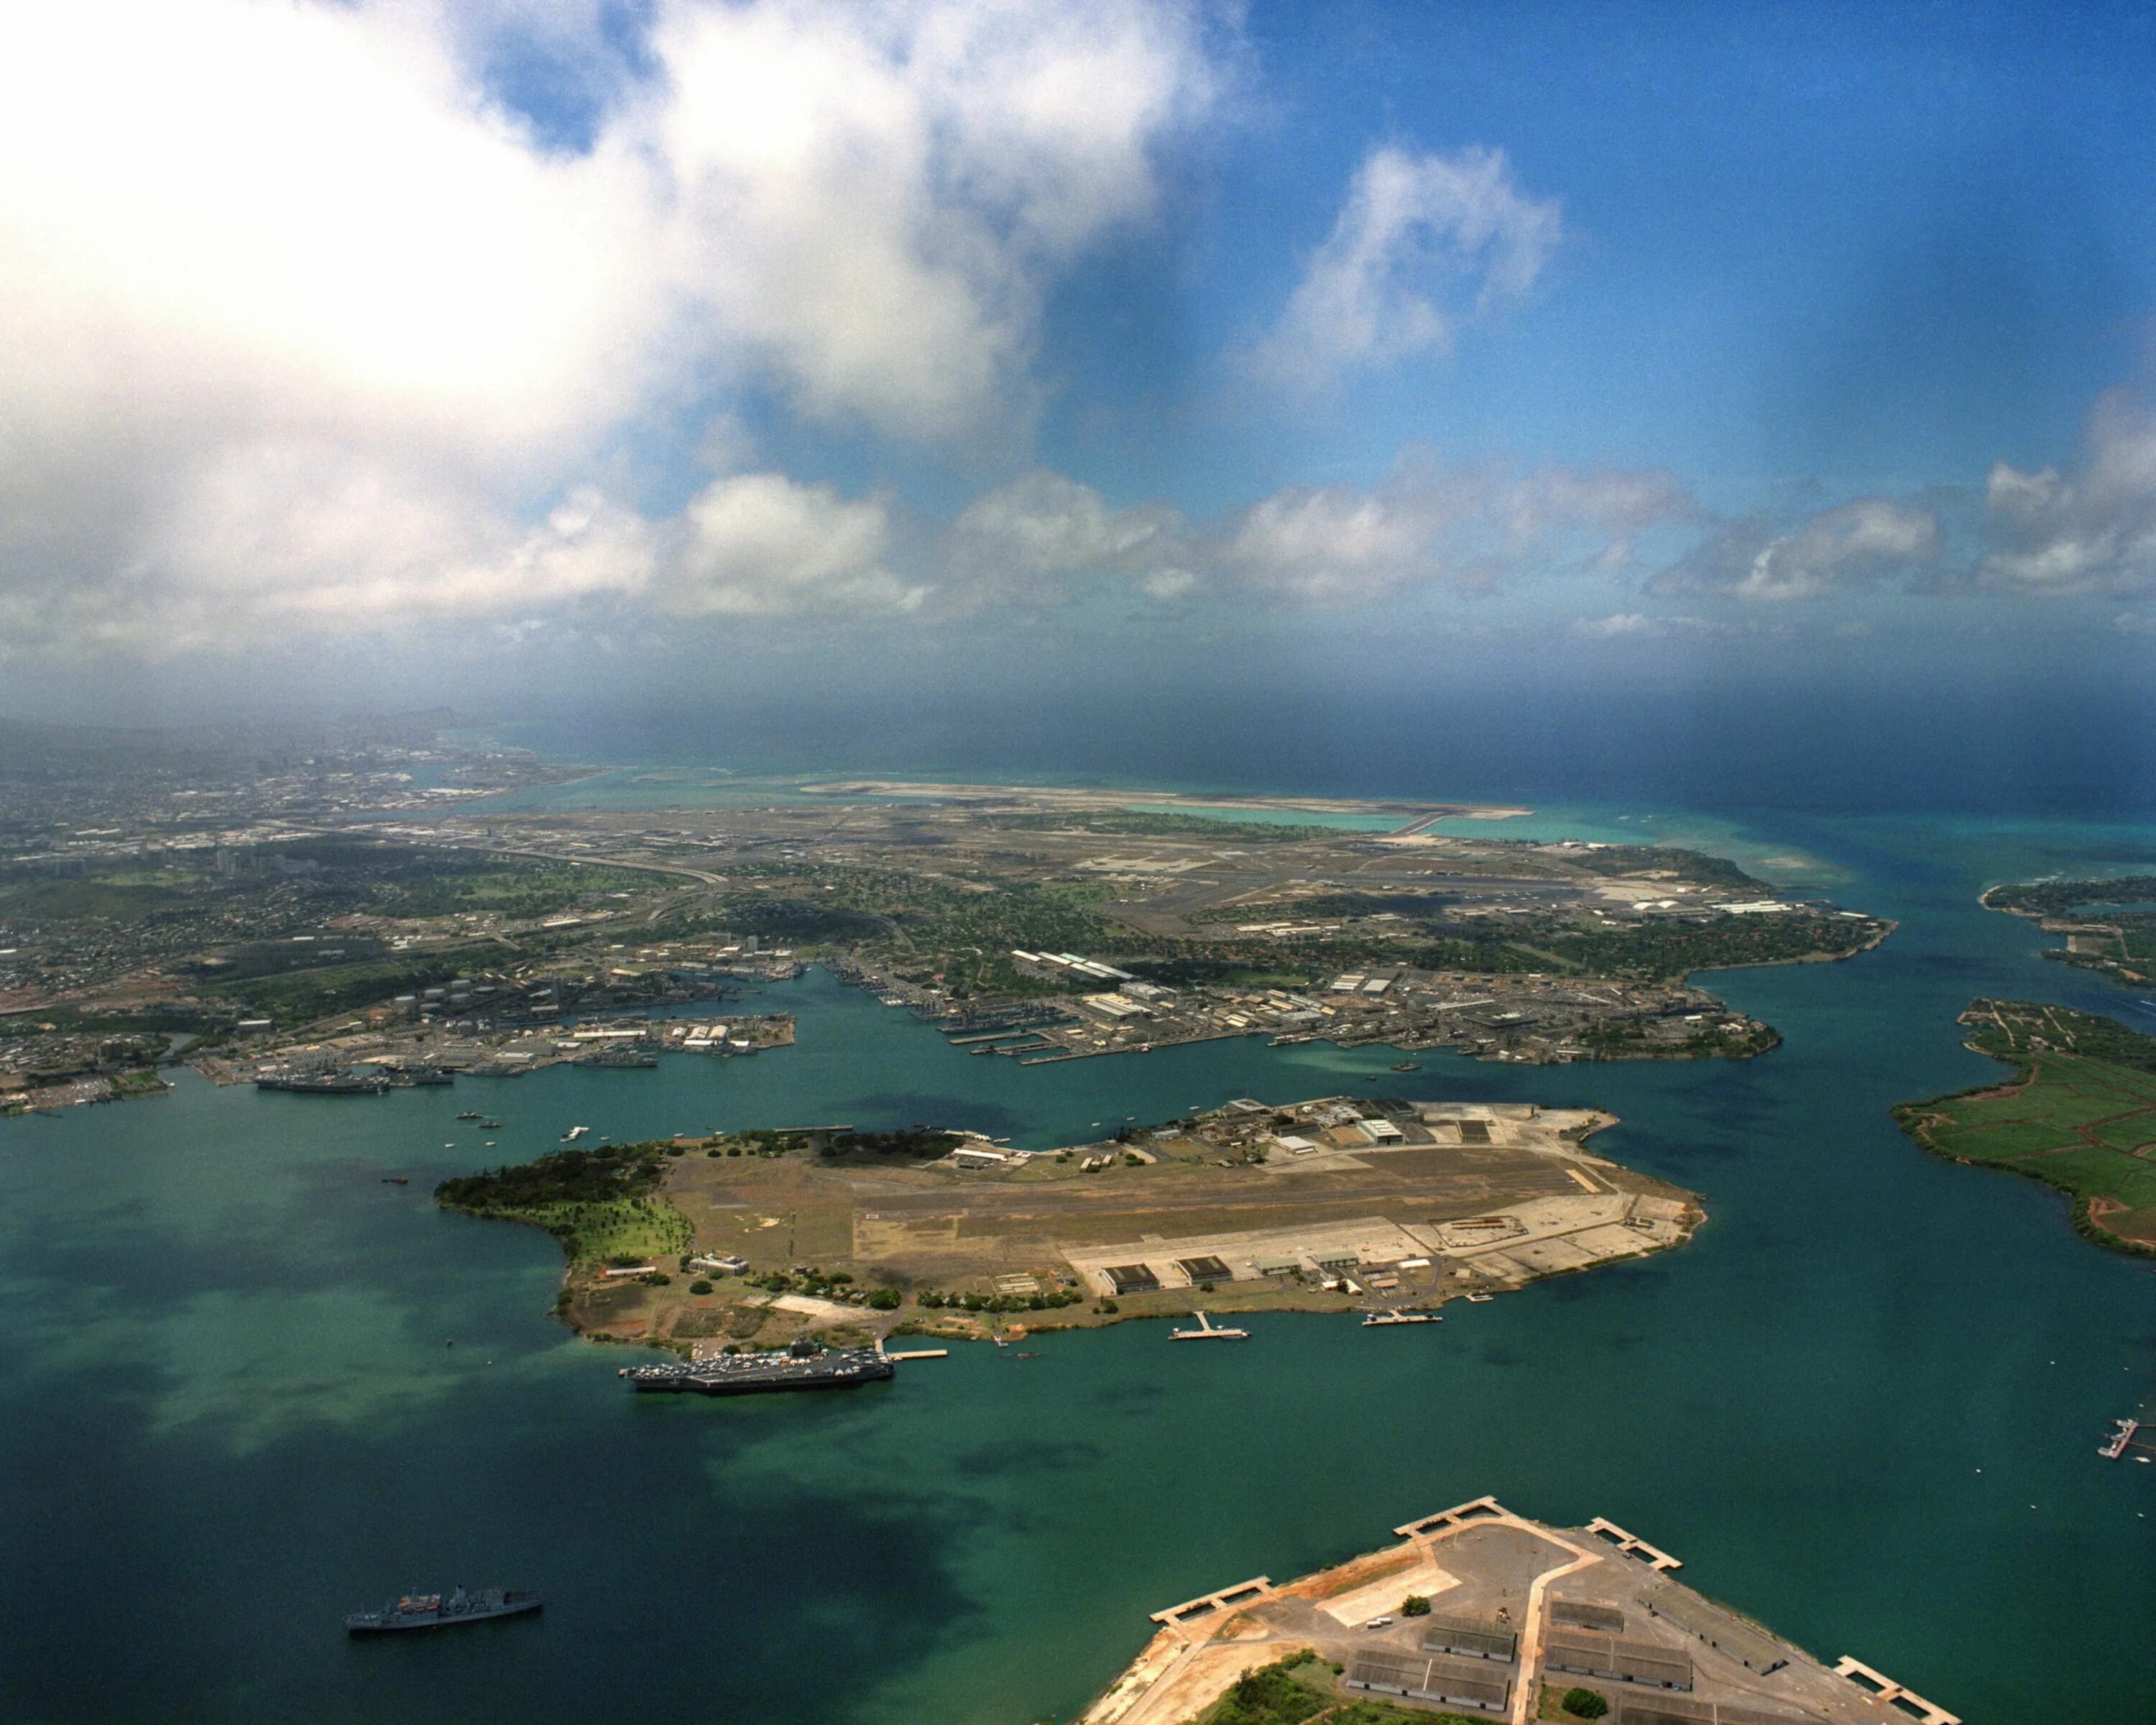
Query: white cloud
{"x": 1423, "y": 243}
{"x": 2092, "y": 530}
{"x": 1046, "y": 538}
{"x": 1856, "y": 543}
{"x": 1430, "y": 523}
{"x": 281, "y": 255}
{"x": 1029, "y": 540}
{"x": 1617, "y": 626}
{"x": 1648, "y": 626}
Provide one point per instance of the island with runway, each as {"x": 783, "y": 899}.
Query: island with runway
{"x": 1380, "y": 1206}
{"x": 1476, "y": 1613}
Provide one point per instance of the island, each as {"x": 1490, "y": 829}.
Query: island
{"x": 1379, "y": 1206}
{"x": 1475, "y": 1614}
{"x": 2109, "y": 925}
{"x": 2079, "y": 1114}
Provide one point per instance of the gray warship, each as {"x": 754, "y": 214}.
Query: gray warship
{"x": 426, "y": 1611}
{"x": 803, "y": 1366}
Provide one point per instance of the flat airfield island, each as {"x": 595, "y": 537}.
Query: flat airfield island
{"x": 1477, "y": 1614}
{"x": 1335, "y": 1205}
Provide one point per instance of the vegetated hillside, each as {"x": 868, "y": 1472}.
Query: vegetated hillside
{"x": 2079, "y": 1114}
{"x": 2062, "y": 898}
{"x": 599, "y": 1203}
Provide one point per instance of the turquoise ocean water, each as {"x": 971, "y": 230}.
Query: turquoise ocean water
{"x": 1863, "y": 1405}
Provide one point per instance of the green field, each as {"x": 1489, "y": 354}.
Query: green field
{"x": 2079, "y": 1114}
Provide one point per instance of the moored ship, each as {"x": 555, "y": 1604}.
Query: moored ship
{"x": 803, "y": 1366}
{"x": 325, "y": 1084}
{"x": 423, "y": 1611}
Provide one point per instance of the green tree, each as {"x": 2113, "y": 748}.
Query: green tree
{"x": 1585, "y": 1703}
{"x": 1414, "y": 1605}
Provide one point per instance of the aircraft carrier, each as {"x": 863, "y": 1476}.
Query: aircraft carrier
{"x": 803, "y": 1366}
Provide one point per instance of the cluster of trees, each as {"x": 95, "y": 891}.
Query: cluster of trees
{"x": 919, "y": 1140}
{"x": 2061, "y": 1028}
{"x": 838, "y": 1285}
{"x": 1003, "y": 1302}
{"x": 566, "y": 1177}
{"x": 2063, "y": 898}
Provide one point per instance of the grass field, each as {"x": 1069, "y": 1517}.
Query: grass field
{"x": 2080, "y": 1115}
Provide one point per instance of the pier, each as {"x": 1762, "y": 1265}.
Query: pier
{"x": 2127, "y": 1440}
{"x": 1478, "y": 1509}
{"x": 1632, "y": 1545}
{"x": 1244, "y": 1592}
{"x": 1878, "y": 1683}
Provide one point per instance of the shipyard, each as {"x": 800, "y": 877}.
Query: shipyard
{"x": 1488, "y": 1615}
{"x": 1026, "y": 922}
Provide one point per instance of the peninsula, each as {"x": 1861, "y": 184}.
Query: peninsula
{"x": 344, "y": 917}
{"x": 1480, "y": 1614}
{"x": 2079, "y": 1114}
{"x": 1333, "y": 1204}
{"x": 2109, "y": 925}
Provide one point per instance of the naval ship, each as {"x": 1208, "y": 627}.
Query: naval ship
{"x": 805, "y": 1365}
{"x": 326, "y": 1084}
{"x": 423, "y": 1611}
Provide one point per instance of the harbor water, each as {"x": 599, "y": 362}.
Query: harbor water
{"x": 1863, "y": 1405}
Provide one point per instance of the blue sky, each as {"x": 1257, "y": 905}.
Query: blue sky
{"x": 486, "y": 339}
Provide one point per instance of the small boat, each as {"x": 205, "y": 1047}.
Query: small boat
{"x": 1208, "y": 1331}
{"x": 397, "y": 1179}
{"x": 468, "y": 1114}
{"x": 574, "y": 1133}
{"x": 1480, "y": 1299}
{"x": 489, "y": 1126}
{"x": 1384, "y": 1319}
{"x": 425, "y": 1611}
{"x": 1407, "y": 1065}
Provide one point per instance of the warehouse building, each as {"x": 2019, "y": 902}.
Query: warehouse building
{"x": 1592, "y": 1655}
{"x": 1669, "y": 1710}
{"x": 1130, "y": 1278}
{"x": 1416, "y": 1676}
{"x": 1469, "y": 1638}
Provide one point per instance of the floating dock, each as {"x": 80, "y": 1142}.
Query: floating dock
{"x": 2127, "y": 1441}
{"x": 1207, "y": 1330}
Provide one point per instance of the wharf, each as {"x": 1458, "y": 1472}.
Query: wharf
{"x": 2128, "y": 1440}
{"x": 1517, "y": 1607}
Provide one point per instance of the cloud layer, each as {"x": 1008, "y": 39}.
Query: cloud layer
{"x": 297, "y": 322}
{"x": 1423, "y": 243}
